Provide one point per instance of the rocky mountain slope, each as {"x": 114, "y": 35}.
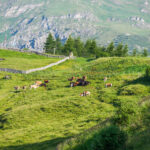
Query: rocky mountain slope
{"x": 26, "y": 24}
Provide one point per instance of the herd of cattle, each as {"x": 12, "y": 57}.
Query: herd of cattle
{"x": 82, "y": 82}
{"x": 74, "y": 82}
{"x": 36, "y": 85}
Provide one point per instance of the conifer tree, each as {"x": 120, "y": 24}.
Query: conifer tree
{"x": 125, "y": 51}
{"x": 110, "y": 49}
{"x": 69, "y": 46}
{"x": 58, "y": 45}
{"x": 119, "y": 50}
{"x": 145, "y": 53}
{"x": 87, "y": 46}
{"x": 79, "y": 47}
{"x": 93, "y": 47}
{"x": 50, "y": 44}
{"x": 134, "y": 53}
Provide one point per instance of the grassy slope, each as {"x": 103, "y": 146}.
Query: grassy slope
{"x": 39, "y": 119}
{"x": 25, "y": 60}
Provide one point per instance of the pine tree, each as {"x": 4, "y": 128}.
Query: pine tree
{"x": 69, "y": 46}
{"x": 125, "y": 50}
{"x": 145, "y": 53}
{"x": 79, "y": 47}
{"x": 50, "y": 44}
{"x": 87, "y": 47}
{"x": 93, "y": 47}
{"x": 110, "y": 49}
{"x": 119, "y": 50}
{"x": 58, "y": 46}
{"x": 134, "y": 53}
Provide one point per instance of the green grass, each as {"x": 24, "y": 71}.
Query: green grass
{"x": 42, "y": 118}
{"x": 23, "y": 61}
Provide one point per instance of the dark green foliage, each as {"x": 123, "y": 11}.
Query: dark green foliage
{"x": 50, "y": 44}
{"x": 145, "y": 53}
{"x": 69, "y": 46}
{"x": 87, "y": 49}
{"x": 125, "y": 50}
{"x": 79, "y": 47}
{"x": 147, "y": 73}
{"x": 110, "y": 138}
{"x": 58, "y": 45}
{"x": 134, "y": 53}
{"x": 110, "y": 49}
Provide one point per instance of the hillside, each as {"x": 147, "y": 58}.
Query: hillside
{"x": 42, "y": 118}
{"x": 26, "y": 24}
{"x": 12, "y": 59}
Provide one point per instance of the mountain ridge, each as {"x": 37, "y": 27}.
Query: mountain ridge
{"x": 26, "y": 24}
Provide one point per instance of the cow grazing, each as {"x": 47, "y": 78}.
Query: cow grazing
{"x": 17, "y": 88}
{"x": 85, "y": 93}
{"x": 108, "y": 85}
{"x": 105, "y": 79}
{"x": 72, "y": 78}
{"x": 7, "y": 77}
{"x": 1, "y": 59}
{"x": 24, "y": 87}
{"x": 43, "y": 84}
{"x": 73, "y": 84}
{"x": 34, "y": 86}
{"x": 85, "y": 83}
{"x": 84, "y": 78}
{"x": 46, "y": 81}
{"x": 38, "y": 83}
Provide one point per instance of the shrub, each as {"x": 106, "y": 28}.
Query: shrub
{"x": 137, "y": 89}
{"x": 110, "y": 138}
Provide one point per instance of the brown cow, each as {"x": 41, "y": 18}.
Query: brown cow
{"x": 84, "y": 83}
{"x": 43, "y": 84}
{"x": 24, "y": 87}
{"x": 34, "y": 86}
{"x": 38, "y": 83}
{"x": 7, "y": 77}
{"x": 73, "y": 84}
{"x": 108, "y": 85}
{"x": 72, "y": 78}
{"x": 84, "y": 78}
{"x": 46, "y": 81}
{"x": 85, "y": 93}
{"x": 105, "y": 79}
{"x": 17, "y": 88}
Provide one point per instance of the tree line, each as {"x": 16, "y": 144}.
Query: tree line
{"x": 87, "y": 49}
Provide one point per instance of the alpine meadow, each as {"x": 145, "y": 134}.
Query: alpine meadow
{"x": 74, "y": 75}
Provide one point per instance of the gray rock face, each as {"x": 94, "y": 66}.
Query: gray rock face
{"x": 26, "y": 24}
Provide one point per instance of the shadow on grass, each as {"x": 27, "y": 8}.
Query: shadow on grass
{"x": 141, "y": 80}
{"x": 46, "y": 145}
{"x": 90, "y": 59}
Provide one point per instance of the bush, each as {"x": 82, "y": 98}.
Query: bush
{"x": 110, "y": 138}
{"x": 137, "y": 89}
